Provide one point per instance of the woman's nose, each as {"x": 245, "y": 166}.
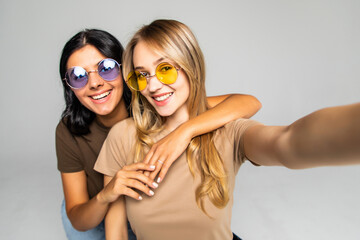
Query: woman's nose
{"x": 95, "y": 80}
{"x": 154, "y": 84}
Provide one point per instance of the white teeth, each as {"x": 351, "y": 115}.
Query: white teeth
{"x": 100, "y": 95}
{"x": 163, "y": 97}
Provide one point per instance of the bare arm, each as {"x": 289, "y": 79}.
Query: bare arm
{"x": 115, "y": 220}
{"x": 330, "y": 136}
{"x": 224, "y": 109}
{"x": 247, "y": 105}
{"x": 85, "y": 213}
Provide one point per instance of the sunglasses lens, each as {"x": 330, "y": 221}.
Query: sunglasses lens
{"x": 166, "y": 73}
{"x": 76, "y": 77}
{"x": 136, "y": 81}
{"x": 109, "y": 69}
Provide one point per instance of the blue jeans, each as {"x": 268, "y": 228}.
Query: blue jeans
{"x": 97, "y": 233}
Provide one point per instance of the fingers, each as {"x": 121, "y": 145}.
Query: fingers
{"x": 161, "y": 169}
{"x": 150, "y": 159}
{"x": 149, "y": 154}
{"x": 156, "y": 152}
{"x": 158, "y": 167}
{"x": 158, "y": 158}
{"x": 162, "y": 154}
{"x": 129, "y": 183}
{"x": 147, "y": 161}
{"x": 136, "y": 180}
{"x": 162, "y": 162}
{"x": 147, "y": 173}
{"x": 133, "y": 185}
{"x": 164, "y": 170}
{"x": 133, "y": 194}
{"x": 140, "y": 166}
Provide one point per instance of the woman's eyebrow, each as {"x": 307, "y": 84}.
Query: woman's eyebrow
{"x": 155, "y": 63}
{"x": 138, "y": 67}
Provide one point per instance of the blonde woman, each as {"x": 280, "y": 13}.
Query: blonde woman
{"x": 164, "y": 67}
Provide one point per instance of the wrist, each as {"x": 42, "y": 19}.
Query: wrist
{"x": 188, "y": 129}
{"x": 100, "y": 198}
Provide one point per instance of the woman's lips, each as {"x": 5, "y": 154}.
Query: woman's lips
{"x": 100, "y": 98}
{"x": 162, "y": 99}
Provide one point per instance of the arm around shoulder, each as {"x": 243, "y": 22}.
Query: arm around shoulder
{"x": 225, "y": 108}
{"x": 242, "y": 105}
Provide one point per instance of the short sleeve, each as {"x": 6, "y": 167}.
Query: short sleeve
{"x": 117, "y": 148}
{"x": 68, "y": 156}
{"x": 236, "y": 131}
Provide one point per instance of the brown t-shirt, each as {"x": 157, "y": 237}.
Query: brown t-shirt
{"x": 77, "y": 153}
{"x": 172, "y": 213}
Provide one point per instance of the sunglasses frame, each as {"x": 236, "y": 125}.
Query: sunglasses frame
{"x": 91, "y": 71}
{"x": 151, "y": 76}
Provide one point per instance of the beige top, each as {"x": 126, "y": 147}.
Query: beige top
{"x": 172, "y": 213}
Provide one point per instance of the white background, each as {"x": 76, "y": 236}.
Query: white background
{"x": 295, "y": 56}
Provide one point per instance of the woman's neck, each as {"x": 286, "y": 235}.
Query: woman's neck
{"x": 118, "y": 114}
{"x": 178, "y": 118}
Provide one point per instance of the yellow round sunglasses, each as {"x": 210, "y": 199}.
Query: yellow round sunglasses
{"x": 165, "y": 73}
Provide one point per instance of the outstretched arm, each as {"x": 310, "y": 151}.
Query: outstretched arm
{"x": 224, "y": 109}
{"x": 330, "y": 136}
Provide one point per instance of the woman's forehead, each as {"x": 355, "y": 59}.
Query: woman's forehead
{"x": 145, "y": 55}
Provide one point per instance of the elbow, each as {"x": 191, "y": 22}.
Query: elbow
{"x": 76, "y": 224}
{"x": 288, "y": 152}
{"x": 250, "y": 105}
{"x": 291, "y": 165}
{"x": 284, "y": 149}
{"x": 255, "y": 104}
{"x": 78, "y": 227}
{"x": 289, "y": 161}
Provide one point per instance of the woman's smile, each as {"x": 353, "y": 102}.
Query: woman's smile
{"x": 162, "y": 99}
{"x": 101, "y": 97}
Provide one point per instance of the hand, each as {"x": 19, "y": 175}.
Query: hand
{"x": 163, "y": 153}
{"x": 126, "y": 181}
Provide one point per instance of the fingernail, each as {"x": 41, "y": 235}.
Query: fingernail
{"x": 140, "y": 198}
{"x": 155, "y": 184}
{"x": 159, "y": 180}
{"x": 151, "y": 193}
{"x": 152, "y": 166}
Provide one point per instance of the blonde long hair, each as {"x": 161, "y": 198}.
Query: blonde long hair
{"x": 175, "y": 41}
